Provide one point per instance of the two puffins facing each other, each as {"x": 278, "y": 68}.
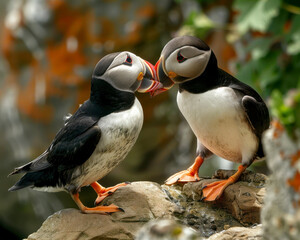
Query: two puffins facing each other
{"x": 98, "y": 136}
{"x": 227, "y": 116}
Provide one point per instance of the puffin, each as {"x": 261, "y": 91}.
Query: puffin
{"x": 227, "y": 116}
{"x": 98, "y": 136}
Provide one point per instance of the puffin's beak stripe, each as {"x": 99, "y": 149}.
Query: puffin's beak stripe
{"x": 149, "y": 82}
{"x": 156, "y": 68}
{"x": 152, "y": 70}
{"x": 162, "y": 77}
{"x": 159, "y": 91}
{"x": 154, "y": 85}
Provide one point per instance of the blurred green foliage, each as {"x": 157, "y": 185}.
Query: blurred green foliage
{"x": 269, "y": 31}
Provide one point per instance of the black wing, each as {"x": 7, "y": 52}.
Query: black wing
{"x": 257, "y": 114}
{"x": 72, "y": 145}
{"x": 254, "y": 106}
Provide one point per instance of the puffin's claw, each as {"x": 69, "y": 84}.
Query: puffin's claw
{"x": 121, "y": 209}
{"x": 202, "y": 199}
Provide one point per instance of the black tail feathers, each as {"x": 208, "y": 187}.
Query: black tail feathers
{"x": 44, "y": 178}
{"x": 22, "y": 169}
{"x": 22, "y": 183}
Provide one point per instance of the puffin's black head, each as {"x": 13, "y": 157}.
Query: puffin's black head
{"x": 126, "y": 72}
{"x": 182, "y": 59}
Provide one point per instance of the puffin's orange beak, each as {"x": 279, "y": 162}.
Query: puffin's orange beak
{"x": 149, "y": 82}
{"x": 162, "y": 77}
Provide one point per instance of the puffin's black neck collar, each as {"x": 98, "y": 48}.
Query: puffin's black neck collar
{"x": 206, "y": 81}
{"x": 106, "y": 96}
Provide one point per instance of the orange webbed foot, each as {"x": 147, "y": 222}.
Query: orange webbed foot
{"x": 189, "y": 175}
{"x": 213, "y": 191}
{"x": 99, "y": 209}
{"x": 183, "y": 177}
{"x": 102, "y": 209}
{"x": 105, "y": 192}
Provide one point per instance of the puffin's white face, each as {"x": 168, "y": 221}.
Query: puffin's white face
{"x": 126, "y": 72}
{"x": 186, "y": 63}
{"x": 182, "y": 59}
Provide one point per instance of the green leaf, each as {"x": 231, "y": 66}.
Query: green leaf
{"x": 277, "y": 24}
{"x": 290, "y": 75}
{"x": 202, "y": 21}
{"x": 293, "y": 48}
{"x": 293, "y": 37}
{"x": 288, "y": 115}
{"x": 268, "y": 71}
{"x": 262, "y": 74}
{"x": 259, "y": 47}
{"x": 197, "y": 24}
{"x": 256, "y": 14}
{"x": 246, "y": 72}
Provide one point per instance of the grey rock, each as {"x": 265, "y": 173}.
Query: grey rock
{"x": 240, "y": 233}
{"x": 168, "y": 212}
{"x": 72, "y": 224}
{"x": 203, "y": 217}
{"x": 141, "y": 201}
{"x": 243, "y": 200}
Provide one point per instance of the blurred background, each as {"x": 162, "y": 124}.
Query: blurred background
{"x": 48, "y": 49}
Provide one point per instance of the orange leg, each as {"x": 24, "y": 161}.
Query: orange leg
{"x": 104, "y": 192}
{"x": 213, "y": 191}
{"x": 99, "y": 209}
{"x": 189, "y": 175}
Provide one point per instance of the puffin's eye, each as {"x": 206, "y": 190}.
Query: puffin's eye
{"x": 180, "y": 58}
{"x": 128, "y": 61}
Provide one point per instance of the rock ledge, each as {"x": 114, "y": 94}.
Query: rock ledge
{"x": 145, "y": 202}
